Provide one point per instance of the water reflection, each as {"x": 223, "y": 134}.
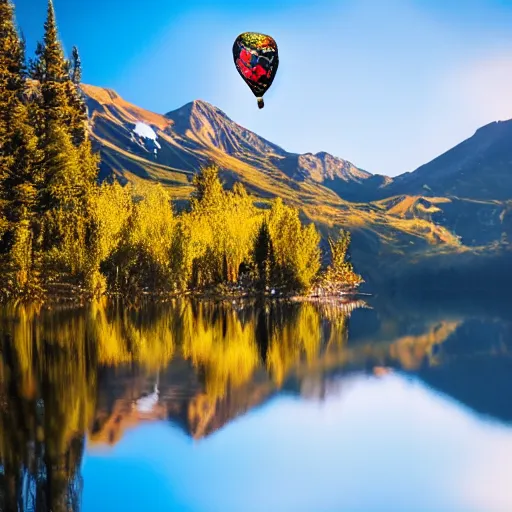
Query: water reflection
{"x": 71, "y": 378}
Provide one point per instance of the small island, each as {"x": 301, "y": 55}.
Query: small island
{"x": 66, "y": 236}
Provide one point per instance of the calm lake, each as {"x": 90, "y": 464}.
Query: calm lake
{"x": 370, "y": 406}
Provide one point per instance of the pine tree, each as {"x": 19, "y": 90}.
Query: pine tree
{"x": 36, "y": 66}
{"x": 76, "y": 103}
{"x": 11, "y": 76}
{"x": 54, "y": 71}
{"x": 49, "y": 69}
{"x": 20, "y": 142}
{"x": 19, "y": 159}
{"x": 61, "y": 97}
{"x": 60, "y": 79}
{"x": 67, "y": 196}
{"x": 76, "y": 73}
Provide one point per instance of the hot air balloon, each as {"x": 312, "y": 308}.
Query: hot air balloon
{"x": 256, "y": 59}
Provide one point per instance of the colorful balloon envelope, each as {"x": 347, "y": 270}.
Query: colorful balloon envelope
{"x": 256, "y": 59}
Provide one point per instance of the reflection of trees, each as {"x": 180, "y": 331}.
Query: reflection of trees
{"x": 48, "y": 388}
{"x": 52, "y": 359}
{"x": 49, "y": 369}
{"x": 70, "y": 373}
{"x": 146, "y": 335}
{"x": 54, "y": 367}
{"x": 243, "y": 356}
{"x": 227, "y": 350}
{"x": 291, "y": 341}
{"x": 217, "y": 343}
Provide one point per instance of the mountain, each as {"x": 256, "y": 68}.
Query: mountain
{"x": 195, "y": 134}
{"x": 458, "y": 204}
{"x": 468, "y": 189}
{"x": 479, "y": 168}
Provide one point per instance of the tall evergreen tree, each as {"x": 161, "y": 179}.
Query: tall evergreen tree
{"x": 36, "y": 66}
{"x": 60, "y": 79}
{"x": 76, "y": 70}
{"x": 19, "y": 144}
{"x": 20, "y": 195}
{"x": 11, "y": 77}
{"x": 55, "y": 70}
{"x": 19, "y": 158}
{"x": 69, "y": 167}
{"x": 11, "y": 86}
{"x": 51, "y": 109}
{"x": 76, "y": 103}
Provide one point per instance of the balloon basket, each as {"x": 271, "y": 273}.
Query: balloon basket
{"x": 261, "y": 103}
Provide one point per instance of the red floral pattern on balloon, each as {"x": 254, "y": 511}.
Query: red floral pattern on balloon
{"x": 245, "y": 56}
{"x": 255, "y": 73}
{"x": 258, "y": 71}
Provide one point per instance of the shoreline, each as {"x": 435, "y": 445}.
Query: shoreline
{"x": 80, "y": 299}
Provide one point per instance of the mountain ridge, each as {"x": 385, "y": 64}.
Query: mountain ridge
{"x": 477, "y": 168}
{"x": 205, "y": 109}
{"x": 205, "y": 122}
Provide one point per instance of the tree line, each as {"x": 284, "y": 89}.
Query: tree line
{"x": 60, "y": 229}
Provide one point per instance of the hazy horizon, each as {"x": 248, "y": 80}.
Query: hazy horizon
{"x": 388, "y": 88}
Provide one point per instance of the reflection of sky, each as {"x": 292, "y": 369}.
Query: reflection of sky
{"x": 388, "y": 444}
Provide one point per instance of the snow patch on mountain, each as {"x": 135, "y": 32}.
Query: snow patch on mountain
{"x": 144, "y": 130}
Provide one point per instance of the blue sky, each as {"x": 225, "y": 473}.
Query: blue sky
{"x": 388, "y": 85}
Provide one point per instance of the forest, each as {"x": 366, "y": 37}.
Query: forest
{"x": 63, "y": 232}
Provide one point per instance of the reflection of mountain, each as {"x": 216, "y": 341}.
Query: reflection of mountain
{"x": 97, "y": 372}
{"x": 475, "y": 368}
{"x": 482, "y": 383}
{"x": 230, "y": 362}
{"x": 183, "y": 401}
{"x": 284, "y": 349}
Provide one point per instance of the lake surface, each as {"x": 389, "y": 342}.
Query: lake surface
{"x": 375, "y": 406}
